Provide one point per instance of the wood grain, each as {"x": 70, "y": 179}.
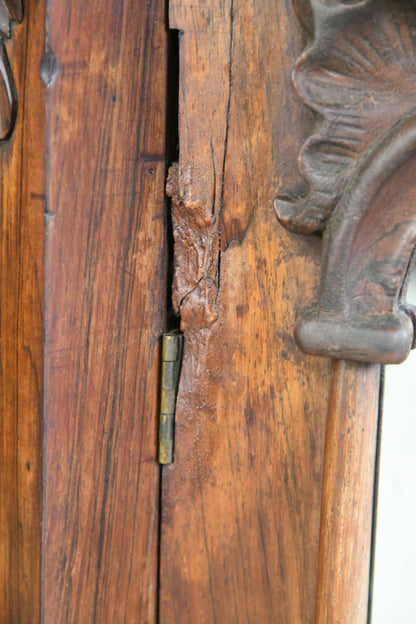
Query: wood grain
{"x": 347, "y": 495}
{"x": 241, "y": 503}
{"x": 105, "y": 301}
{"x": 21, "y": 328}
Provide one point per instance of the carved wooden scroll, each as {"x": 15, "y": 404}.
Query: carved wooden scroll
{"x": 10, "y": 11}
{"x": 359, "y": 74}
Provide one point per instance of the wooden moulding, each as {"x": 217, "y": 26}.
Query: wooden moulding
{"x": 358, "y": 73}
{"x": 343, "y": 578}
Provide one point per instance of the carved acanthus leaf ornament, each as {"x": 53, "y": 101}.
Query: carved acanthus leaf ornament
{"x": 358, "y": 73}
{"x": 10, "y": 11}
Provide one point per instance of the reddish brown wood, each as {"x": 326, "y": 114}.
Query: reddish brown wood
{"x": 241, "y": 503}
{"x": 21, "y": 328}
{"x": 105, "y": 300}
{"x": 347, "y": 495}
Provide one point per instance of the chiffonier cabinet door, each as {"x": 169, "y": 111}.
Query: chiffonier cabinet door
{"x": 206, "y": 226}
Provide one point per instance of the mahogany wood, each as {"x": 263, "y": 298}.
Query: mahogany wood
{"x": 21, "y": 328}
{"x": 105, "y": 302}
{"x": 240, "y": 522}
{"x": 241, "y": 503}
{"x": 347, "y": 495}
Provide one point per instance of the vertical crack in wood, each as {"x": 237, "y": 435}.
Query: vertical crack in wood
{"x": 227, "y": 131}
{"x": 195, "y": 235}
{"x": 172, "y": 156}
{"x": 196, "y": 182}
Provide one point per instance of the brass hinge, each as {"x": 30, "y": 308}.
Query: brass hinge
{"x": 171, "y": 368}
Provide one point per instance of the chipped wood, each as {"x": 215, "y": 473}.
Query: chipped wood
{"x": 241, "y": 503}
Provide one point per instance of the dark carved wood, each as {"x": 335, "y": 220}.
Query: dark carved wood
{"x": 10, "y": 11}
{"x": 359, "y": 75}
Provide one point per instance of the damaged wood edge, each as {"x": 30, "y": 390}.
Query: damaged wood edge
{"x": 195, "y": 230}
{"x": 196, "y": 257}
{"x": 196, "y": 181}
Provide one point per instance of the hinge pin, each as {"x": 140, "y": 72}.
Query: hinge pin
{"x": 171, "y": 367}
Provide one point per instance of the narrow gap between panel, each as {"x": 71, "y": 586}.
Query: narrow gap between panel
{"x": 375, "y": 495}
{"x": 172, "y": 155}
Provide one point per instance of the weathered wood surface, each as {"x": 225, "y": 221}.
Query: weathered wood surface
{"x": 241, "y": 504}
{"x": 105, "y": 301}
{"x": 347, "y": 495}
{"x": 21, "y": 327}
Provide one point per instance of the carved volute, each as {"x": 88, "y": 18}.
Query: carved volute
{"x": 358, "y": 73}
{"x": 10, "y": 11}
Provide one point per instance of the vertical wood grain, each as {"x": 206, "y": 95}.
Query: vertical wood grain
{"x": 347, "y": 495}
{"x": 241, "y": 503}
{"x": 21, "y": 327}
{"x": 105, "y": 301}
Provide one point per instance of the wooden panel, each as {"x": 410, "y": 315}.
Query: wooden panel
{"x": 105, "y": 301}
{"x": 21, "y": 327}
{"x": 241, "y": 503}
